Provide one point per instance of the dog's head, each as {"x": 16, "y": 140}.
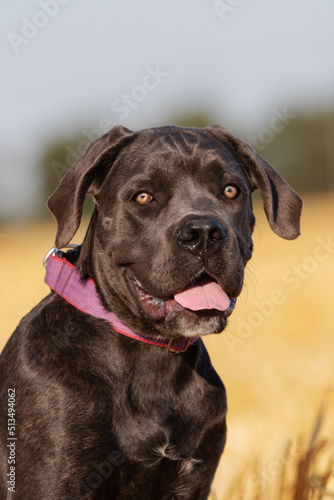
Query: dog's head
{"x": 171, "y": 231}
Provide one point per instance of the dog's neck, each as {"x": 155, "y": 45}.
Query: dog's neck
{"x": 64, "y": 279}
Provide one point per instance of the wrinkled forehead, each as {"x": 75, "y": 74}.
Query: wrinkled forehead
{"x": 178, "y": 150}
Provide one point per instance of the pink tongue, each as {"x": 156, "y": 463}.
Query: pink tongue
{"x": 207, "y": 296}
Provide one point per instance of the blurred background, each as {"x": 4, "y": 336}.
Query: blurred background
{"x": 71, "y": 70}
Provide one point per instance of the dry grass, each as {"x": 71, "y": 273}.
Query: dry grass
{"x": 301, "y": 472}
{"x": 276, "y": 356}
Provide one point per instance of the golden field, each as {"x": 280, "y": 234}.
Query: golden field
{"x": 276, "y": 357}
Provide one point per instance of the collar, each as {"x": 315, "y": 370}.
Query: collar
{"x": 64, "y": 279}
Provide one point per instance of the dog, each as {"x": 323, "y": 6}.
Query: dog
{"x": 110, "y": 391}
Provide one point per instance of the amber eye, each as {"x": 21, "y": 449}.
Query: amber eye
{"x": 143, "y": 198}
{"x": 231, "y": 192}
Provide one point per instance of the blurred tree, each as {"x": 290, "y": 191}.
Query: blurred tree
{"x": 58, "y": 159}
{"x": 198, "y": 119}
{"x": 303, "y": 152}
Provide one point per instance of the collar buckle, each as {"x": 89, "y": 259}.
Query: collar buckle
{"x": 178, "y": 351}
{"x": 53, "y": 251}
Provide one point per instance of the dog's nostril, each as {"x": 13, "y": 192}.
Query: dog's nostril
{"x": 219, "y": 233}
{"x": 189, "y": 234}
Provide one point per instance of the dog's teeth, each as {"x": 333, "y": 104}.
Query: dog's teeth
{"x": 154, "y": 301}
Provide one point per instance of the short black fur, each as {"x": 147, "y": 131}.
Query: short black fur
{"x": 99, "y": 415}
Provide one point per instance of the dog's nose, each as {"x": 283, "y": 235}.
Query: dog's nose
{"x": 202, "y": 236}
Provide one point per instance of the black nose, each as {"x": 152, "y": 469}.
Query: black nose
{"x": 202, "y": 236}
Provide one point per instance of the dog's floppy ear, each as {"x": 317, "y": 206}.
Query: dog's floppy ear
{"x": 66, "y": 203}
{"x": 281, "y": 204}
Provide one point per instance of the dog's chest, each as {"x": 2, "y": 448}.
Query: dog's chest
{"x": 155, "y": 424}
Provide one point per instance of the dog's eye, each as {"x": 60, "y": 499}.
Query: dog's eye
{"x": 231, "y": 192}
{"x": 143, "y": 198}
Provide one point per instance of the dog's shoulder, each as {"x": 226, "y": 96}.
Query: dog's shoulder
{"x": 54, "y": 340}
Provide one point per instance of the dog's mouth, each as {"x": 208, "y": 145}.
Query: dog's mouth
{"x": 203, "y": 294}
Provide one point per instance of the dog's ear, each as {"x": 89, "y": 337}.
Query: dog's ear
{"x": 281, "y": 204}
{"x": 66, "y": 203}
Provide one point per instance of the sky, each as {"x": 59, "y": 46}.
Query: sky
{"x": 69, "y": 65}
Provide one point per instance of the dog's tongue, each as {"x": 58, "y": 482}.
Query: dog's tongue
{"x": 206, "y": 296}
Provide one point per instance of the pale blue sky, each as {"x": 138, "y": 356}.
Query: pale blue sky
{"x": 69, "y": 64}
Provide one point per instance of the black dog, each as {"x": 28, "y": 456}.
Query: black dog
{"x": 92, "y": 412}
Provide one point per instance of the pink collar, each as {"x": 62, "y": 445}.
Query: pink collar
{"x": 63, "y": 278}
